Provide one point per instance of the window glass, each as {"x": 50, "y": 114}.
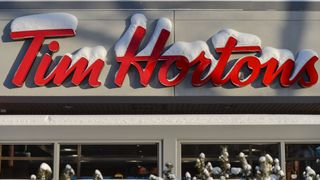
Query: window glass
{"x": 299, "y": 156}
{"x": 21, "y": 161}
{"x": 190, "y": 152}
{"x": 116, "y": 161}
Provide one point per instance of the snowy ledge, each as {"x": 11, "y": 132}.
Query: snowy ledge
{"x": 161, "y": 0}
{"x": 173, "y": 120}
{"x": 44, "y": 21}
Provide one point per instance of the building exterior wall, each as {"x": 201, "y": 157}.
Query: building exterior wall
{"x": 293, "y": 30}
{"x": 281, "y": 25}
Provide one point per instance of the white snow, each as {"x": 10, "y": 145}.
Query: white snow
{"x": 191, "y": 50}
{"x": 247, "y": 167}
{"x": 310, "y": 171}
{"x": 236, "y": 171}
{"x": 241, "y": 154}
{"x": 220, "y": 39}
{"x": 44, "y": 21}
{"x": 153, "y": 177}
{"x": 98, "y": 174}
{"x": 276, "y": 167}
{"x": 122, "y": 45}
{"x": 274, "y": 177}
{"x": 209, "y": 166}
{"x": 33, "y": 177}
{"x": 139, "y": 20}
{"x": 163, "y": 23}
{"x": 216, "y": 170}
{"x": 282, "y": 55}
{"x": 281, "y": 173}
{"x": 45, "y": 167}
{"x": 262, "y": 159}
{"x": 90, "y": 53}
{"x": 302, "y": 58}
{"x": 68, "y": 167}
{"x": 188, "y": 175}
{"x": 202, "y": 155}
{"x": 206, "y": 173}
{"x": 269, "y": 158}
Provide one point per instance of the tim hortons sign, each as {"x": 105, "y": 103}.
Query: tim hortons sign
{"x": 88, "y": 62}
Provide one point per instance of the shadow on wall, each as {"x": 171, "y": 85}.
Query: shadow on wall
{"x": 293, "y": 31}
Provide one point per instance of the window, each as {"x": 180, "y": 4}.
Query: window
{"x": 138, "y": 160}
{"x": 115, "y": 161}
{"x": 20, "y": 161}
{"x": 190, "y": 152}
{"x": 299, "y": 156}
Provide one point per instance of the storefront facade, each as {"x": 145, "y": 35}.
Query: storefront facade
{"x": 153, "y": 89}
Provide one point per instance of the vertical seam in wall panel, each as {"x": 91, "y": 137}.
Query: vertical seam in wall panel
{"x": 174, "y": 40}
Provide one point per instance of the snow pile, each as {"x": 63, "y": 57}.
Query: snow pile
{"x": 162, "y": 24}
{"x": 269, "y": 169}
{"x": 310, "y": 174}
{"x": 44, "y": 21}
{"x": 282, "y": 55}
{"x": 219, "y": 40}
{"x": 68, "y": 172}
{"x": 303, "y": 57}
{"x": 153, "y": 177}
{"x": 189, "y": 50}
{"x": 45, "y": 167}
{"x": 277, "y": 171}
{"x": 188, "y": 176}
{"x": 216, "y": 170}
{"x": 235, "y": 170}
{"x": 90, "y": 53}
{"x": 246, "y": 167}
{"x": 69, "y": 168}
{"x": 33, "y": 177}
{"x": 97, "y": 175}
{"x": 122, "y": 45}
{"x": 168, "y": 172}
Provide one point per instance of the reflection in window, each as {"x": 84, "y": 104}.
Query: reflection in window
{"x": 190, "y": 152}
{"x": 117, "y": 161}
{"x": 299, "y": 156}
{"x": 20, "y": 161}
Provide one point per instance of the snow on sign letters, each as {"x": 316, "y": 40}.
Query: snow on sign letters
{"x": 273, "y": 64}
